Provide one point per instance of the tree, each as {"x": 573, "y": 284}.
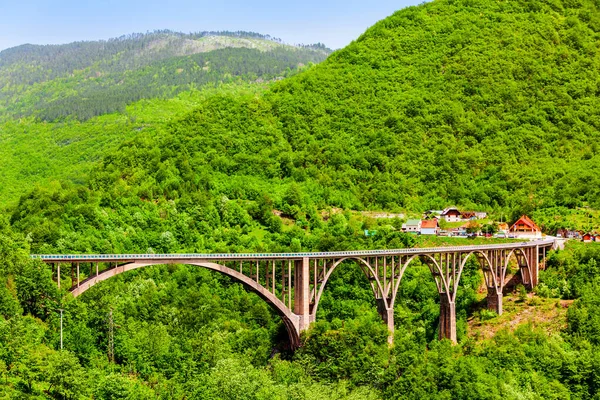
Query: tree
{"x": 473, "y": 227}
{"x": 36, "y": 291}
{"x": 66, "y": 377}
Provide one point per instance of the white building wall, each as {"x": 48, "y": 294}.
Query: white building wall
{"x": 453, "y": 218}
{"x": 527, "y": 235}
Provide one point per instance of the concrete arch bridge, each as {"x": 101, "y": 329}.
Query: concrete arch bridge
{"x": 293, "y": 283}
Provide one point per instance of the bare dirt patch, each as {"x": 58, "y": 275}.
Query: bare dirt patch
{"x": 547, "y": 314}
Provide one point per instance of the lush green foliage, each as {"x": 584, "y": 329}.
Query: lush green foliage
{"x": 39, "y": 153}
{"x": 186, "y": 332}
{"x": 481, "y": 103}
{"x": 478, "y": 103}
{"x": 92, "y": 78}
{"x": 468, "y": 102}
{"x": 550, "y": 219}
{"x": 86, "y": 79}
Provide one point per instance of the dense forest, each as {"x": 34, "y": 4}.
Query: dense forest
{"x": 483, "y": 104}
{"x": 85, "y": 79}
{"x": 183, "y": 332}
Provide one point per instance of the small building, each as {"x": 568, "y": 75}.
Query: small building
{"x": 567, "y": 234}
{"x": 503, "y": 227}
{"x": 587, "y": 238}
{"x": 473, "y": 215}
{"x": 481, "y": 214}
{"x": 429, "y": 227}
{"x": 562, "y": 233}
{"x": 468, "y": 215}
{"x": 460, "y": 231}
{"x": 525, "y": 228}
{"x": 412, "y": 225}
{"x": 451, "y": 214}
{"x": 432, "y": 214}
{"x": 455, "y": 231}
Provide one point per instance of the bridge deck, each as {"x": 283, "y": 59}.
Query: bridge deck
{"x": 279, "y": 256}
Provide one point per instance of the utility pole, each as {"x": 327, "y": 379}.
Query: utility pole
{"x": 111, "y": 338}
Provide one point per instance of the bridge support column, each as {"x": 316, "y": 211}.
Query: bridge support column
{"x": 526, "y": 270}
{"x": 535, "y": 267}
{"x": 447, "y": 328}
{"x": 494, "y": 300}
{"x": 302, "y": 292}
{"x": 73, "y": 274}
{"x": 387, "y": 314}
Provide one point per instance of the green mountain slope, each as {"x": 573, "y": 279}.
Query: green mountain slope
{"x": 467, "y": 102}
{"x": 477, "y": 103}
{"x": 39, "y": 153}
{"x": 86, "y": 79}
{"x": 85, "y": 90}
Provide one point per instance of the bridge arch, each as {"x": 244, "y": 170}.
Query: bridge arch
{"x": 401, "y": 275}
{"x": 290, "y": 320}
{"x": 378, "y": 287}
{"x": 363, "y": 263}
{"x": 493, "y": 279}
{"x": 524, "y": 265}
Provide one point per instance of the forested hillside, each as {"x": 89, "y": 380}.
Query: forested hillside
{"x": 85, "y": 79}
{"x": 485, "y": 104}
{"x": 40, "y": 153}
{"x": 467, "y": 102}
{"x": 63, "y": 107}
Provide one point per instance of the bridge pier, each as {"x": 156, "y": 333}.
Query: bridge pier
{"x": 387, "y": 314}
{"x": 388, "y": 318}
{"x": 302, "y": 292}
{"x": 494, "y": 300}
{"x": 535, "y": 268}
{"x": 447, "y": 327}
{"x": 58, "y": 275}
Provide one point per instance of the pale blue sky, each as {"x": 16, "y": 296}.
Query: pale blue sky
{"x": 333, "y": 22}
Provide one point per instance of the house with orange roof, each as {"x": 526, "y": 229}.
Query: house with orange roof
{"x": 430, "y": 227}
{"x": 587, "y": 237}
{"x": 525, "y": 228}
{"x": 503, "y": 227}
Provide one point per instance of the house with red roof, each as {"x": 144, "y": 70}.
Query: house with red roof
{"x": 525, "y": 228}
{"x": 587, "y": 237}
